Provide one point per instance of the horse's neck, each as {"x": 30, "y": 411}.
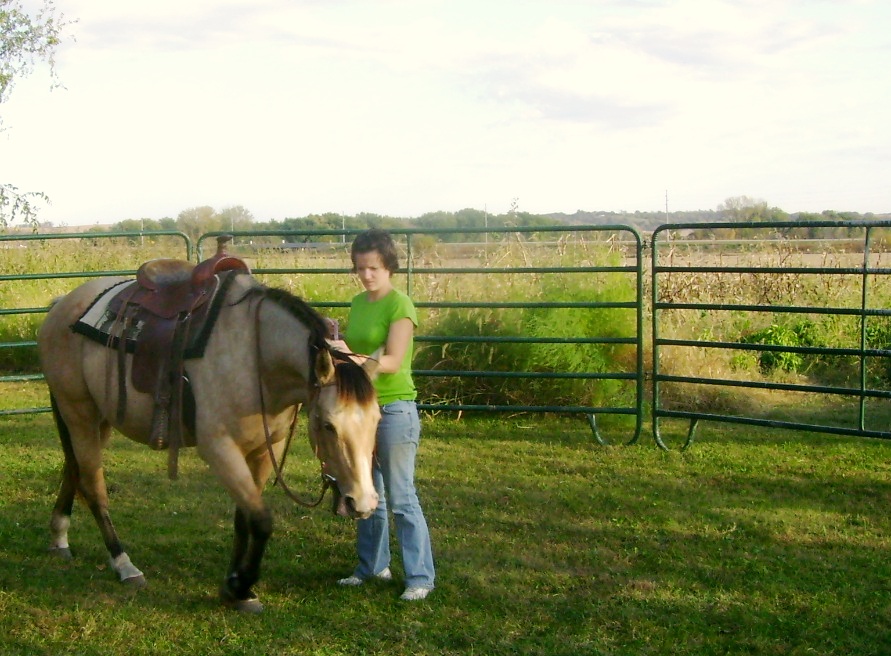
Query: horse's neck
{"x": 285, "y": 356}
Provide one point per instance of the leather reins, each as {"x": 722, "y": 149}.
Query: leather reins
{"x": 327, "y": 479}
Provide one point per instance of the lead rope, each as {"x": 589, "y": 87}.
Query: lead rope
{"x": 279, "y": 477}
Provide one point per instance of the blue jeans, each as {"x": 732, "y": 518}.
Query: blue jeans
{"x": 398, "y": 435}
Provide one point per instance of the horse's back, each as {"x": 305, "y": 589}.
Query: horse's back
{"x": 61, "y": 350}
{"x": 65, "y": 311}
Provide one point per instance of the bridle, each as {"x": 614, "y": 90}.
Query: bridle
{"x": 327, "y": 479}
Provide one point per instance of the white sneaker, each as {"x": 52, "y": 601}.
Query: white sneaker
{"x": 415, "y": 594}
{"x": 351, "y": 580}
{"x": 384, "y": 575}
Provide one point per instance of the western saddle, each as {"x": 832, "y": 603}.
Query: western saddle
{"x": 159, "y": 314}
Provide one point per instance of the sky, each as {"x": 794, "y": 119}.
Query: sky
{"x": 403, "y": 107}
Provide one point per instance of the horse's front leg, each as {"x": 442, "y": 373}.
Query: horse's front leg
{"x": 252, "y": 531}
{"x": 245, "y": 478}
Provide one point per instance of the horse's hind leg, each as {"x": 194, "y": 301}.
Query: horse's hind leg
{"x": 83, "y": 474}
{"x": 61, "y": 516}
{"x": 95, "y": 494}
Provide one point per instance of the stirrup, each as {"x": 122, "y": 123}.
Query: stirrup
{"x": 160, "y": 426}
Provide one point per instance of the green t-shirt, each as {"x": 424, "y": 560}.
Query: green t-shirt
{"x": 367, "y": 329}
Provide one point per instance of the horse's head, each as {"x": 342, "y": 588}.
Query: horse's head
{"x": 343, "y": 418}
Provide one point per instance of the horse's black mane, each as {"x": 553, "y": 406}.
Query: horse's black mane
{"x": 352, "y": 381}
{"x": 300, "y": 309}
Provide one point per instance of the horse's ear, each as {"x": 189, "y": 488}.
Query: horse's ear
{"x": 324, "y": 367}
{"x": 372, "y": 363}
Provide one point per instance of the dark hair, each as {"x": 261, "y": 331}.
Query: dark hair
{"x": 376, "y": 240}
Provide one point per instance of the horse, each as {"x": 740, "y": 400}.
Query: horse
{"x": 265, "y": 355}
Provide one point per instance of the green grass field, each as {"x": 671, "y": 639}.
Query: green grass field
{"x": 751, "y": 542}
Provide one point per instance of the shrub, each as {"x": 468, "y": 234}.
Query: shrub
{"x": 799, "y": 334}
{"x": 563, "y": 354}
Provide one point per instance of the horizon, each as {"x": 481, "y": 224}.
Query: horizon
{"x": 54, "y": 225}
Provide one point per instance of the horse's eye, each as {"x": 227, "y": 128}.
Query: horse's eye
{"x": 328, "y": 426}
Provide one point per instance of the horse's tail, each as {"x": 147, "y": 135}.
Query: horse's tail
{"x": 71, "y": 469}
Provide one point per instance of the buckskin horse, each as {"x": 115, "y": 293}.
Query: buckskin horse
{"x": 203, "y": 355}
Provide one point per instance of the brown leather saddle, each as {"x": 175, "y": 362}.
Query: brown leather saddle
{"x": 155, "y": 317}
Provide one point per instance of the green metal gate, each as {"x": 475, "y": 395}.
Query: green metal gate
{"x": 559, "y": 300}
{"x": 41, "y": 266}
{"x": 478, "y": 281}
{"x": 780, "y": 313}
{"x": 751, "y": 313}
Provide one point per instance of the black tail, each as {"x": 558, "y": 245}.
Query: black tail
{"x": 71, "y": 467}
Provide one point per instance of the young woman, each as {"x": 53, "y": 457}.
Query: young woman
{"x": 383, "y": 319}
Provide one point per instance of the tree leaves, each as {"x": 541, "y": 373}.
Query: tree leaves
{"x": 25, "y": 41}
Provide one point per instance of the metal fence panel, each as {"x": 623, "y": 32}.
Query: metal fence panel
{"x": 801, "y": 311}
{"x": 569, "y": 289}
{"x": 41, "y": 259}
{"x": 481, "y": 273}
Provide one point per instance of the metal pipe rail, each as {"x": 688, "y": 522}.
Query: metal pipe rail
{"x": 416, "y": 271}
{"x": 24, "y": 240}
{"x": 526, "y": 237}
{"x": 866, "y": 274}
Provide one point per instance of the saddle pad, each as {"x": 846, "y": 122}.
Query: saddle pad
{"x": 97, "y": 321}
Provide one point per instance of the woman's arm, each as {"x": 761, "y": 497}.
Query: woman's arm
{"x": 398, "y": 340}
{"x": 390, "y": 357}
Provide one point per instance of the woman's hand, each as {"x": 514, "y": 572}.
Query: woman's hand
{"x": 338, "y": 345}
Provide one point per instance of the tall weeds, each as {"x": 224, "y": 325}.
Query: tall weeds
{"x": 37, "y": 261}
{"x": 548, "y": 344}
{"x": 829, "y": 278}
{"x": 545, "y": 352}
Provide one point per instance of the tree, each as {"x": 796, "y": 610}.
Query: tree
{"x": 25, "y": 41}
{"x": 195, "y": 221}
{"x": 235, "y": 218}
{"x": 15, "y": 204}
{"x": 743, "y": 208}
{"x": 137, "y": 225}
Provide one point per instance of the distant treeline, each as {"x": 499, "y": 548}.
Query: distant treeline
{"x": 197, "y": 221}
{"x": 649, "y": 221}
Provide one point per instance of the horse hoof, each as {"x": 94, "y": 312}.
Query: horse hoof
{"x": 251, "y": 605}
{"x": 60, "y": 552}
{"x": 135, "y": 582}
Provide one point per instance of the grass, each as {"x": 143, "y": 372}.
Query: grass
{"x": 751, "y": 542}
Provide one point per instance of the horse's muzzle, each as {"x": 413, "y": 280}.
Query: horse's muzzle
{"x": 345, "y": 506}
